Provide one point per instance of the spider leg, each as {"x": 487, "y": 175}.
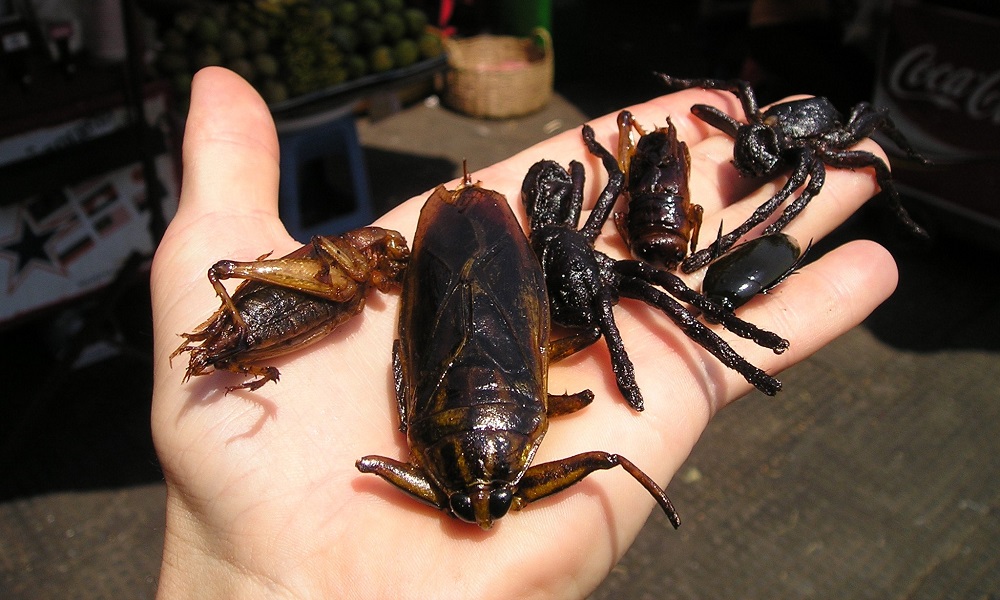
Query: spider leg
{"x": 716, "y": 118}
{"x": 574, "y": 201}
{"x": 723, "y": 243}
{"x": 741, "y": 89}
{"x": 865, "y": 119}
{"x": 676, "y": 287}
{"x": 817, "y": 176}
{"x": 621, "y": 364}
{"x": 611, "y": 191}
{"x": 853, "y": 159}
{"x": 697, "y": 331}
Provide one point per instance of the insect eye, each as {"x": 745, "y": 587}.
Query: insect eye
{"x": 500, "y": 500}
{"x": 461, "y": 507}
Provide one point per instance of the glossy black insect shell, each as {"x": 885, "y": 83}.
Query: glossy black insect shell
{"x": 751, "y": 268}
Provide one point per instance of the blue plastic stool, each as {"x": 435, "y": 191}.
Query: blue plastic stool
{"x": 324, "y": 187}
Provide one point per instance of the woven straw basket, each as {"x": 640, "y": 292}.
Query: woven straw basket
{"x": 499, "y": 76}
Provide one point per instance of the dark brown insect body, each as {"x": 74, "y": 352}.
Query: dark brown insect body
{"x": 290, "y": 302}
{"x": 584, "y": 284}
{"x": 471, "y": 366}
{"x": 660, "y": 222}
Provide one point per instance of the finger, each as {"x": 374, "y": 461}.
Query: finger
{"x": 682, "y": 391}
{"x": 843, "y": 192}
{"x": 230, "y": 147}
{"x": 816, "y": 305}
{"x": 229, "y": 191}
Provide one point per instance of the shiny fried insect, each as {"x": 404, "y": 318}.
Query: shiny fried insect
{"x": 585, "y": 284}
{"x": 660, "y": 222}
{"x": 801, "y": 135}
{"x": 751, "y": 268}
{"x": 287, "y": 303}
{"x": 471, "y": 368}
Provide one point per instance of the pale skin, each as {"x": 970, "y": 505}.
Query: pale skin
{"x": 263, "y": 497}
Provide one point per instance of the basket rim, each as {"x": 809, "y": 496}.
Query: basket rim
{"x": 457, "y": 50}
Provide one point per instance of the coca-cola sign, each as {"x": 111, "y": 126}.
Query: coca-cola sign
{"x": 920, "y": 75}
{"x": 941, "y": 74}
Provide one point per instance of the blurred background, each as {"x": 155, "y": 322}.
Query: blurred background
{"x": 872, "y": 475}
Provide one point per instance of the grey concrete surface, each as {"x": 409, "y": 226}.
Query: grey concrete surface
{"x": 874, "y": 474}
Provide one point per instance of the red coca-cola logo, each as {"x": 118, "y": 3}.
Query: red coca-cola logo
{"x": 919, "y": 74}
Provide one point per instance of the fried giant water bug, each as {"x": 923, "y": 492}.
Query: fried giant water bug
{"x": 584, "y": 284}
{"x": 287, "y": 303}
{"x": 471, "y": 368}
{"x": 798, "y": 135}
{"x": 660, "y": 222}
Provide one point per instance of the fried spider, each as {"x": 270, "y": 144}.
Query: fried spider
{"x": 803, "y": 135}
{"x": 584, "y": 284}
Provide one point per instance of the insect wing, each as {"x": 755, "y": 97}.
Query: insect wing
{"x": 473, "y": 294}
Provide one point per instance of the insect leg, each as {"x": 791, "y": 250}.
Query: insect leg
{"x": 563, "y": 404}
{"x": 676, "y": 287}
{"x": 856, "y": 159}
{"x": 817, "y": 177}
{"x": 865, "y": 119}
{"x": 611, "y": 191}
{"x": 702, "y": 257}
{"x": 574, "y": 203}
{"x": 399, "y": 378}
{"x": 263, "y": 375}
{"x": 406, "y": 477}
{"x": 741, "y": 89}
{"x": 697, "y": 331}
{"x": 573, "y": 343}
{"x": 716, "y": 118}
{"x": 620, "y": 362}
{"x": 626, "y": 147}
{"x": 311, "y": 275}
{"x": 549, "y": 478}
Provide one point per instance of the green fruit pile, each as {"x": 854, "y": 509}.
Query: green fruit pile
{"x": 286, "y": 48}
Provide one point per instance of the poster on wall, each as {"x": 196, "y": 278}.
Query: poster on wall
{"x": 66, "y": 241}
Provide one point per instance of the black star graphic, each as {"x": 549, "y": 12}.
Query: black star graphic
{"x": 28, "y": 248}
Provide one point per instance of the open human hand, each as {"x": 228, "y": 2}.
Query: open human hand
{"x": 263, "y": 497}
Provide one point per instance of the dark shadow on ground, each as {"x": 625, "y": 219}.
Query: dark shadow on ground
{"x": 947, "y": 294}
{"x": 79, "y": 429}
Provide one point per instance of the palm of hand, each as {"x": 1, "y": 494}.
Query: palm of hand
{"x": 262, "y": 488}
